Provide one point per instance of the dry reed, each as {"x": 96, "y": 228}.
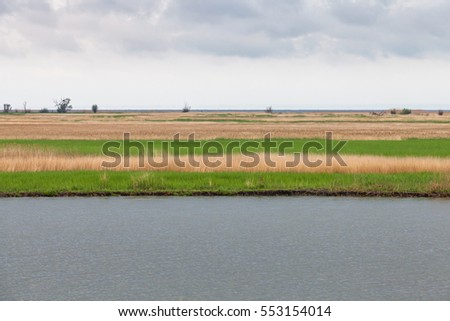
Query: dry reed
{"x": 232, "y": 125}
{"x": 19, "y": 159}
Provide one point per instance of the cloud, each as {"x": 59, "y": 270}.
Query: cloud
{"x": 246, "y": 28}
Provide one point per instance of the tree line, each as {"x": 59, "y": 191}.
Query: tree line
{"x": 62, "y": 106}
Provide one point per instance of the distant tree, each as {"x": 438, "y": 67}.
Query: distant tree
{"x": 7, "y": 108}
{"x": 405, "y": 111}
{"x": 440, "y": 112}
{"x": 94, "y": 108}
{"x": 393, "y": 111}
{"x": 25, "y": 107}
{"x": 44, "y": 111}
{"x": 269, "y": 110}
{"x": 63, "y": 105}
{"x": 186, "y": 108}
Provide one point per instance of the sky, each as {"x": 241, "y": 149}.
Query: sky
{"x": 246, "y": 54}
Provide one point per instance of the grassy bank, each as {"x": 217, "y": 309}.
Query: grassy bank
{"x": 177, "y": 183}
{"x": 400, "y": 148}
{"x": 363, "y": 176}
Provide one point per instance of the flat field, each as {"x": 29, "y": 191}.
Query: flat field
{"x": 61, "y": 154}
{"x": 233, "y": 125}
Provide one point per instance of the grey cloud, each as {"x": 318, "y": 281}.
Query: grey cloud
{"x": 359, "y": 13}
{"x": 4, "y": 6}
{"x": 102, "y": 7}
{"x": 248, "y": 28}
{"x": 259, "y": 45}
{"x": 401, "y": 32}
{"x": 212, "y": 12}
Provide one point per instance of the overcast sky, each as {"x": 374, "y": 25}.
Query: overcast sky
{"x": 225, "y": 53}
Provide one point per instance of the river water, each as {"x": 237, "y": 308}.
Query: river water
{"x": 224, "y": 248}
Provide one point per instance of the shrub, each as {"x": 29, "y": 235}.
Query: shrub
{"x": 405, "y": 111}
{"x": 393, "y": 111}
{"x": 7, "y": 108}
{"x": 94, "y": 108}
{"x": 440, "y": 112}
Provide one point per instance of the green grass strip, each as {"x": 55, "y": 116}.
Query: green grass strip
{"x": 233, "y": 183}
{"x": 401, "y": 148}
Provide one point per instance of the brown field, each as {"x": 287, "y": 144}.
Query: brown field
{"x": 209, "y": 125}
{"x": 17, "y": 159}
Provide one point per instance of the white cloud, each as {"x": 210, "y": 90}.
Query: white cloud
{"x": 58, "y": 4}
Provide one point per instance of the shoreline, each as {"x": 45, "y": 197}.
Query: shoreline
{"x": 268, "y": 193}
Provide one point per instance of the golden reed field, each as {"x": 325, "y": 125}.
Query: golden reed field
{"x": 209, "y": 125}
{"x": 19, "y": 159}
{"x": 239, "y": 125}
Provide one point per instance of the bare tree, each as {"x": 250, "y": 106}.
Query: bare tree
{"x": 186, "y": 108}
{"x": 25, "y": 107}
{"x": 269, "y": 110}
{"x": 63, "y": 105}
{"x": 7, "y": 108}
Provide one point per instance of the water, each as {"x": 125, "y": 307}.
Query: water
{"x": 224, "y": 248}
